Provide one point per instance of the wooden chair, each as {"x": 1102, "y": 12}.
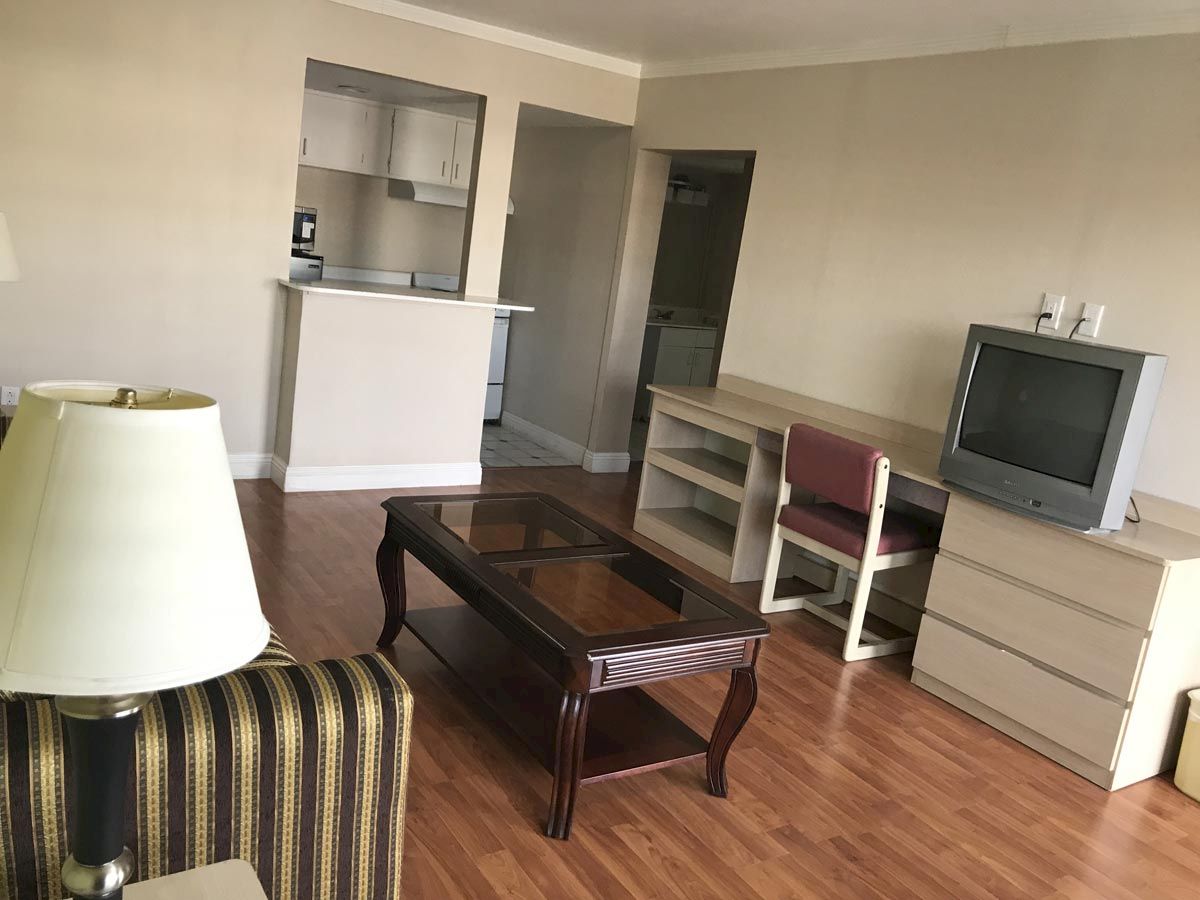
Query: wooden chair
{"x": 846, "y": 525}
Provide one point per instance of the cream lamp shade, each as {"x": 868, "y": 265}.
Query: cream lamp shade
{"x": 8, "y": 256}
{"x": 123, "y": 561}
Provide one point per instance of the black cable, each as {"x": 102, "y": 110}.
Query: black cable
{"x": 1038, "y": 327}
{"x": 1135, "y": 512}
{"x": 1076, "y": 328}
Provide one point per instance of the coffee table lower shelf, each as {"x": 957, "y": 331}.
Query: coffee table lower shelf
{"x": 627, "y": 730}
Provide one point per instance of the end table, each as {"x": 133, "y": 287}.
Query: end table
{"x": 230, "y": 880}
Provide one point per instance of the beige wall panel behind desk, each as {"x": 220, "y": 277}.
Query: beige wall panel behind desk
{"x": 895, "y": 202}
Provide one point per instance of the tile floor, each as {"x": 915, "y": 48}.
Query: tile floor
{"x": 504, "y": 448}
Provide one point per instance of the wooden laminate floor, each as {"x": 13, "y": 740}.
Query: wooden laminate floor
{"x": 848, "y": 782}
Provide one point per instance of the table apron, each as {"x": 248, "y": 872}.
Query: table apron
{"x": 644, "y": 666}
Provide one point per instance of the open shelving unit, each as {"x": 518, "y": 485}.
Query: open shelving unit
{"x": 707, "y": 489}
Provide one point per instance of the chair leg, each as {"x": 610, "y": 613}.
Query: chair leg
{"x": 852, "y": 650}
{"x": 766, "y": 599}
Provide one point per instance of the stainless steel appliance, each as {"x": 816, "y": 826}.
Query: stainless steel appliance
{"x": 493, "y": 402}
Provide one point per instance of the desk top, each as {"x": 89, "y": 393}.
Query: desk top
{"x": 1168, "y": 533}
{"x": 916, "y": 463}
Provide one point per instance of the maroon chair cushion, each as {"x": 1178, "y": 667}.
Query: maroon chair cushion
{"x": 846, "y": 530}
{"x": 832, "y": 467}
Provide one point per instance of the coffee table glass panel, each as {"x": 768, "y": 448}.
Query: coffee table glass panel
{"x": 610, "y": 594}
{"x": 521, "y": 523}
{"x": 560, "y": 622}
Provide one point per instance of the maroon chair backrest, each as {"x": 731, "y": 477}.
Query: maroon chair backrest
{"x": 832, "y": 467}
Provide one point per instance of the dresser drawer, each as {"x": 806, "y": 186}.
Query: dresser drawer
{"x": 1098, "y": 651}
{"x": 1073, "y": 717}
{"x": 1053, "y": 559}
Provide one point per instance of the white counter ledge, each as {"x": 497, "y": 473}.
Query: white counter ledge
{"x": 375, "y": 291}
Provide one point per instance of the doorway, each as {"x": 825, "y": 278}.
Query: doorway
{"x": 568, "y": 176}
{"x": 704, "y": 212}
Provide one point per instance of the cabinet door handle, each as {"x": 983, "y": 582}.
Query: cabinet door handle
{"x": 443, "y": 168}
{"x": 456, "y": 171}
{"x": 304, "y": 147}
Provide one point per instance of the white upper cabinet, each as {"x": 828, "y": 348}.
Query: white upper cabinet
{"x": 379, "y": 140}
{"x": 354, "y": 135}
{"x": 330, "y": 132}
{"x": 422, "y": 146}
{"x": 464, "y": 154}
{"x": 344, "y": 134}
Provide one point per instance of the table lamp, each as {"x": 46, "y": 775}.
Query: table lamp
{"x": 123, "y": 570}
{"x": 8, "y": 256}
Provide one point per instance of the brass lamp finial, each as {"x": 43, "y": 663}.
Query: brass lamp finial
{"x": 125, "y": 398}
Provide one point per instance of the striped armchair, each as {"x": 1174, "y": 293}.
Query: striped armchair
{"x": 299, "y": 770}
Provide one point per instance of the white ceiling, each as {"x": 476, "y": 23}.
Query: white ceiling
{"x": 667, "y": 37}
{"x": 334, "y": 79}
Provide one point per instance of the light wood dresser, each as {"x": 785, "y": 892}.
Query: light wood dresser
{"x": 1081, "y": 647}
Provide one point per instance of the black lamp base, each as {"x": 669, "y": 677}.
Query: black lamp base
{"x": 100, "y": 731}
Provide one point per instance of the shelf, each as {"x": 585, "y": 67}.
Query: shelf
{"x": 704, "y": 467}
{"x": 691, "y": 532}
{"x": 627, "y": 730}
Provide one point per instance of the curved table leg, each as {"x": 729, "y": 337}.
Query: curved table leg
{"x": 739, "y": 703}
{"x": 389, "y": 565}
{"x": 568, "y": 762}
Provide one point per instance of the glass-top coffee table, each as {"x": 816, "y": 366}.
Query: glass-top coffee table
{"x": 562, "y": 621}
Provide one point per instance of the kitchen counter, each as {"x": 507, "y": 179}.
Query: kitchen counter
{"x": 372, "y": 290}
{"x": 381, "y": 394}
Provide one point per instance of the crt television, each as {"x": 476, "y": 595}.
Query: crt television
{"x": 1050, "y": 427}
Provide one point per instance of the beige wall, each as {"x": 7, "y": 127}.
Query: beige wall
{"x": 567, "y": 185}
{"x": 148, "y": 169}
{"x": 359, "y": 225}
{"x": 896, "y": 202}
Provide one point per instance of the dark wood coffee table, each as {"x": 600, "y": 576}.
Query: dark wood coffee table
{"x": 562, "y": 620}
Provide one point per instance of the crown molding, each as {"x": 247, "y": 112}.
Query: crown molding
{"x": 397, "y": 9}
{"x": 994, "y": 39}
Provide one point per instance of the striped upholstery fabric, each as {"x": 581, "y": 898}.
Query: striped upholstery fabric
{"x": 275, "y": 653}
{"x": 300, "y": 770}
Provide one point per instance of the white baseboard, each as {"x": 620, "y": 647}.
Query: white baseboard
{"x": 278, "y": 471}
{"x": 567, "y": 449}
{"x": 605, "y": 462}
{"x": 291, "y": 479}
{"x": 250, "y": 465}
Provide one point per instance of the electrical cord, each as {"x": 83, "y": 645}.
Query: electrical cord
{"x": 1038, "y": 327}
{"x": 1076, "y": 328}
{"x": 1136, "y": 513}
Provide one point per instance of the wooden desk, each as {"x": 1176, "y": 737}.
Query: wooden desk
{"x": 711, "y": 473}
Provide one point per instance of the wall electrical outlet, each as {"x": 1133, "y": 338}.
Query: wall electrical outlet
{"x": 1092, "y": 315}
{"x": 1053, "y": 304}
{"x": 9, "y": 395}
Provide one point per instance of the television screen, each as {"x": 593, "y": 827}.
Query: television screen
{"x": 1040, "y": 413}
